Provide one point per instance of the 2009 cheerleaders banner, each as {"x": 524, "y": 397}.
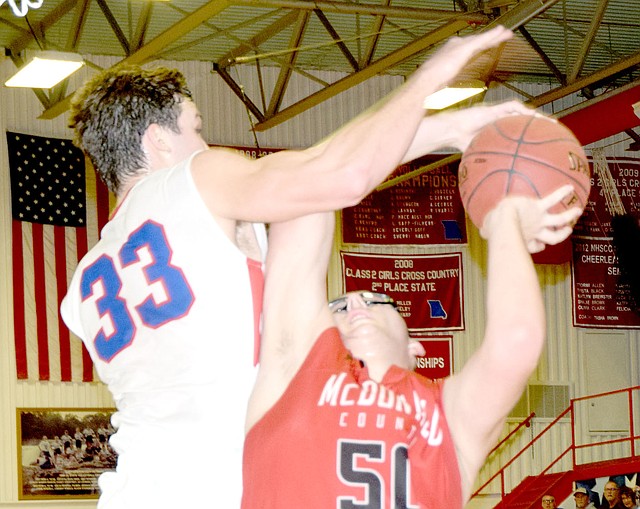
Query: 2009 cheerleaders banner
{"x": 600, "y": 297}
{"x": 427, "y": 288}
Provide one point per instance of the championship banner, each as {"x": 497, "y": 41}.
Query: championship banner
{"x": 438, "y": 361}
{"x": 600, "y": 298}
{"x": 427, "y": 288}
{"x": 425, "y": 209}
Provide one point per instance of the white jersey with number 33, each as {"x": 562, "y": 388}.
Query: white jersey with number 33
{"x": 164, "y": 305}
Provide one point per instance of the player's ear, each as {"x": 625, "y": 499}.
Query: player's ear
{"x": 155, "y": 137}
{"x": 416, "y": 349}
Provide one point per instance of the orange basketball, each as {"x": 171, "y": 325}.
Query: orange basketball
{"x": 522, "y": 155}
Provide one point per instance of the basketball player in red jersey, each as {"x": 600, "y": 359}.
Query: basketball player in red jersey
{"x": 338, "y": 419}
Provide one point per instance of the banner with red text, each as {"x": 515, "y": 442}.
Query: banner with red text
{"x": 427, "y": 288}
{"x": 425, "y": 209}
{"x": 600, "y": 298}
{"x": 437, "y": 363}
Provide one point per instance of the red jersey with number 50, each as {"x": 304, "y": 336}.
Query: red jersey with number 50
{"x": 337, "y": 439}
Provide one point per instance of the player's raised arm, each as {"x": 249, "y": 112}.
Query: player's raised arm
{"x": 478, "y": 399}
{"x": 295, "y": 308}
{"x": 344, "y": 168}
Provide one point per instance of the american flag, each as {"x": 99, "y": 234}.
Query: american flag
{"x": 58, "y": 210}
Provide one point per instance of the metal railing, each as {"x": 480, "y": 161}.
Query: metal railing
{"x": 525, "y": 423}
{"x": 573, "y": 448}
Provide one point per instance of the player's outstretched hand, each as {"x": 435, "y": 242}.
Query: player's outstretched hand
{"x": 539, "y": 226}
{"x": 465, "y": 123}
{"x": 452, "y": 57}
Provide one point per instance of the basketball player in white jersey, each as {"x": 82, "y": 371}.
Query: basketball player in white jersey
{"x": 168, "y": 302}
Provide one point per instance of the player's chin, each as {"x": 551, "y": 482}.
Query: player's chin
{"x": 348, "y": 331}
{"x": 535, "y": 247}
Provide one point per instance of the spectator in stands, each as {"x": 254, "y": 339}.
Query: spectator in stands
{"x": 627, "y": 497}
{"x": 612, "y": 496}
{"x": 548, "y": 502}
{"x": 581, "y": 498}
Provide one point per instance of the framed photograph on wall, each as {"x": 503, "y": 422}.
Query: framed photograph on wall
{"x": 63, "y": 451}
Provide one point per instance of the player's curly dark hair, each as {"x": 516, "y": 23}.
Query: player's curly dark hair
{"x": 112, "y": 111}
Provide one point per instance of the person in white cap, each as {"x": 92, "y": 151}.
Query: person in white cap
{"x": 581, "y": 498}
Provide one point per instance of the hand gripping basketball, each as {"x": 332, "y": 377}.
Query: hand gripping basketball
{"x": 522, "y": 155}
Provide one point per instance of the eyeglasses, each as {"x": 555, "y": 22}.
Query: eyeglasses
{"x": 611, "y": 489}
{"x": 339, "y": 305}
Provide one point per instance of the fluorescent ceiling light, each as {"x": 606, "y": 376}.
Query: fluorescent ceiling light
{"x": 46, "y": 69}
{"x": 453, "y": 94}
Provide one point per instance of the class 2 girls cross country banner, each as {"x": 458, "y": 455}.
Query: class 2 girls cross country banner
{"x": 426, "y": 288}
